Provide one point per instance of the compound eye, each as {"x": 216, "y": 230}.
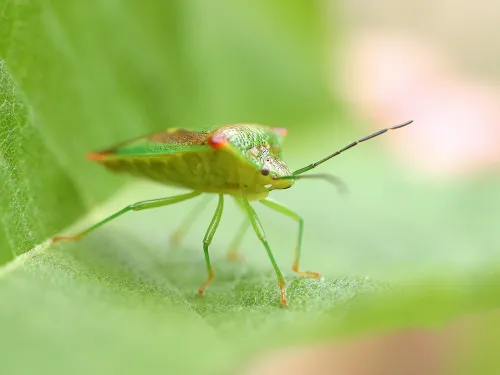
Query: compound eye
{"x": 265, "y": 170}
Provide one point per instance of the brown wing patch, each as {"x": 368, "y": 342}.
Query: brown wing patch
{"x": 179, "y": 136}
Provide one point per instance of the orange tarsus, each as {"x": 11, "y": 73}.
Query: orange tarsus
{"x": 315, "y": 275}
{"x": 96, "y": 156}
{"x": 217, "y": 141}
{"x": 283, "y": 300}
{"x": 201, "y": 291}
{"x": 68, "y": 239}
{"x": 234, "y": 256}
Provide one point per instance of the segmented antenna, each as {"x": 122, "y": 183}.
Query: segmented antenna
{"x": 350, "y": 145}
{"x": 332, "y": 179}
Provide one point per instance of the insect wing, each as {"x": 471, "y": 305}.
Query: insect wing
{"x": 163, "y": 143}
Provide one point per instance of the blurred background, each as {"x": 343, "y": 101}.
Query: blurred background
{"x": 437, "y": 60}
{"x": 79, "y": 76}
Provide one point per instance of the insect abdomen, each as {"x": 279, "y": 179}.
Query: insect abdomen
{"x": 209, "y": 171}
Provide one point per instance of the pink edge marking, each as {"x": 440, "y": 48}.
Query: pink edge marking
{"x": 217, "y": 141}
{"x": 281, "y": 131}
{"x": 97, "y": 156}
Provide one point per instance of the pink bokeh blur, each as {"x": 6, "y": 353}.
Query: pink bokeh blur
{"x": 392, "y": 78}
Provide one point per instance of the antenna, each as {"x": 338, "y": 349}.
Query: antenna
{"x": 350, "y": 145}
{"x": 332, "y": 179}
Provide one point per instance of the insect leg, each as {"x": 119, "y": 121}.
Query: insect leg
{"x": 181, "y": 231}
{"x": 286, "y": 211}
{"x": 233, "y": 254}
{"x": 259, "y": 230}
{"x": 144, "y": 205}
{"x": 207, "y": 240}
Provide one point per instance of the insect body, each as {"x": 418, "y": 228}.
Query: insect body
{"x": 227, "y": 160}
{"x": 240, "y": 160}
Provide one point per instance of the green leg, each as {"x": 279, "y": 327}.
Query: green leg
{"x": 188, "y": 221}
{"x": 286, "y": 211}
{"x": 259, "y": 230}
{"x": 233, "y": 254}
{"x": 144, "y": 205}
{"x": 207, "y": 240}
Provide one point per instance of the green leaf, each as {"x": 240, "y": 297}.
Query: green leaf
{"x": 78, "y": 76}
{"x": 31, "y": 175}
{"x": 126, "y": 286}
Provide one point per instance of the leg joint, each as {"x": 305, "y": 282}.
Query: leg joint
{"x": 135, "y": 206}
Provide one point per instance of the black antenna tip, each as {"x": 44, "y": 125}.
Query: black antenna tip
{"x": 402, "y": 125}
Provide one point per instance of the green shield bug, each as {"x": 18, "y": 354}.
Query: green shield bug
{"x": 240, "y": 160}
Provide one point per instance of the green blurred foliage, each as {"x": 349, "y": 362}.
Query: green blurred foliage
{"x": 92, "y": 73}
